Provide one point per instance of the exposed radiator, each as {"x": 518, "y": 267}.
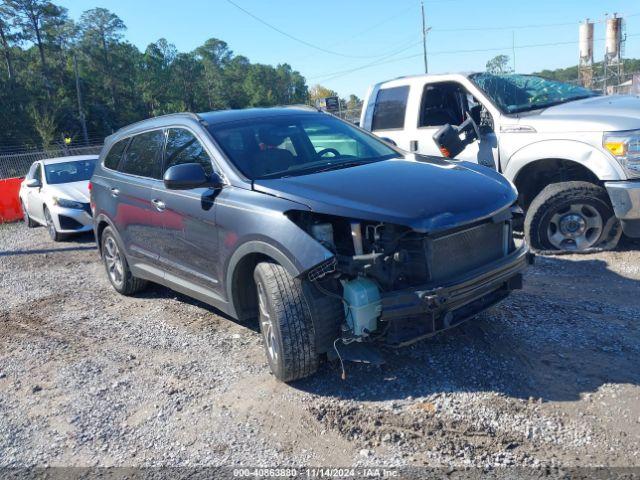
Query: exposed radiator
{"x": 457, "y": 253}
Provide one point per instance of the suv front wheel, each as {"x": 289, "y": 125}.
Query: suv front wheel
{"x": 285, "y": 323}
{"x": 570, "y": 216}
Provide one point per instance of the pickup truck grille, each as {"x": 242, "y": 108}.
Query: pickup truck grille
{"x": 460, "y": 252}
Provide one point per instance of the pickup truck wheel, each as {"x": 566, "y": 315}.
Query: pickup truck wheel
{"x": 568, "y": 216}
{"x": 285, "y": 323}
{"x": 117, "y": 266}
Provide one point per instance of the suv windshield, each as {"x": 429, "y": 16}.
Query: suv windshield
{"x": 520, "y": 93}
{"x": 67, "y": 172}
{"x": 282, "y": 146}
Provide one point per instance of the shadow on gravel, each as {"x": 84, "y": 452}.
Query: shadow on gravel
{"x": 570, "y": 331}
{"x": 40, "y": 251}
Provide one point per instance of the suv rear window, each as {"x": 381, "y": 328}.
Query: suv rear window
{"x": 112, "y": 160}
{"x": 391, "y": 104}
{"x": 143, "y": 155}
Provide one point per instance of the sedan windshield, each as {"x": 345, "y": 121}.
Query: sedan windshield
{"x": 288, "y": 145}
{"x": 520, "y": 93}
{"x": 67, "y": 172}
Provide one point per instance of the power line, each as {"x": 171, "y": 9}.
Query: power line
{"x": 521, "y": 27}
{"x": 334, "y": 75}
{"x": 297, "y": 39}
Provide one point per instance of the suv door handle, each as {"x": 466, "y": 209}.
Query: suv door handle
{"x": 159, "y": 204}
{"x": 115, "y": 192}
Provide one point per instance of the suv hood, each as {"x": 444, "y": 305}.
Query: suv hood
{"x": 424, "y": 193}
{"x": 596, "y": 114}
{"x": 77, "y": 191}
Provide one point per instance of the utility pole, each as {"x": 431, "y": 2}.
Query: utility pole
{"x": 513, "y": 49}
{"x": 83, "y": 121}
{"x": 424, "y": 38}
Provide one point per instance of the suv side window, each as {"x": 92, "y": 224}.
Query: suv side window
{"x": 144, "y": 155}
{"x": 184, "y": 147}
{"x": 390, "y": 107}
{"x": 112, "y": 160}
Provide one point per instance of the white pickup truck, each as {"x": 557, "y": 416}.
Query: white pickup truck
{"x": 573, "y": 155}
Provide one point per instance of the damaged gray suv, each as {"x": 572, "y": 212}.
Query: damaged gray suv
{"x": 324, "y": 233}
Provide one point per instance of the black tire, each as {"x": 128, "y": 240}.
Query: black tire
{"x": 289, "y": 341}
{"x": 116, "y": 265}
{"x": 590, "y": 202}
{"x": 28, "y": 221}
{"x": 51, "y": 227}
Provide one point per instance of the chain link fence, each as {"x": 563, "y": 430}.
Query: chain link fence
{"x": 17, "y": 164}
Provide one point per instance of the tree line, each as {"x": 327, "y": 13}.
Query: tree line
{"x": 83, "y": 80}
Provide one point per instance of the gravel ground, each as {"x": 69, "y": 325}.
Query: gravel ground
{"x": 551, "y": 377}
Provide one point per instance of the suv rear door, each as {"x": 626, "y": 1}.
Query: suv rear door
{"x": 137, "y": 220}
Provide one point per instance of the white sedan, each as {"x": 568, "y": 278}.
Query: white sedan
{"x": 55, "y": 193}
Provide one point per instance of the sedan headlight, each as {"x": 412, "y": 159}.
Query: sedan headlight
{"x": 625, "y": 147}
{"x": 65, "y": 203}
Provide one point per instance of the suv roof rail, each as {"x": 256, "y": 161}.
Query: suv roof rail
{"x": 195, "y": 116}
{"x": 301, "y": 106}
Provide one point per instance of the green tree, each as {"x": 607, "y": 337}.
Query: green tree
{"x": 33, "y": 17}
{"x": 101, "y": 29}
{"x": 499, "y": 65}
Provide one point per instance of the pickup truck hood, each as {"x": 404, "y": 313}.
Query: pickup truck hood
{"x": 424, "y": 193}
{"x": 595, "y": 114}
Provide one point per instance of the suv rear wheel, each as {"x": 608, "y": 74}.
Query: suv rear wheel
{"x": 117, "y": 266}
{"x": 571, "y": 216}
{"x": 285, "y": 323}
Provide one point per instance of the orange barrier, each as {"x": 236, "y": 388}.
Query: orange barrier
{"x": 10, "y": 210}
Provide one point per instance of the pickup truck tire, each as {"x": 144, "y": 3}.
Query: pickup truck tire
{"x": 285, "y": 323}
{"x": 117, "y": 267}
{"x": 568, "y": 216}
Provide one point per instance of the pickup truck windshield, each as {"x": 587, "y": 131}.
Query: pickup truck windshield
{"x": 514, "y": 93}
{"x": 283, "y": 145}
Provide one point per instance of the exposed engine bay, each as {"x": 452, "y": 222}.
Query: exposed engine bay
{"x": 390, "y": 278}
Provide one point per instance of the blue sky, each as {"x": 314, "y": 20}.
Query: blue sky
{"x": 382, "y": 36}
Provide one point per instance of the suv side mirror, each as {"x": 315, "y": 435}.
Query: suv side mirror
{"x": 190, "y": 175}
{"x": 33, "y": 183}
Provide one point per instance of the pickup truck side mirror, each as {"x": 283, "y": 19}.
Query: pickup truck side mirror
{"x": 451, "y": 141}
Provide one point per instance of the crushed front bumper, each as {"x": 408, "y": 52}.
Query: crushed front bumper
{"x": 625, "y": 199}
{"x": 411, "y": 314}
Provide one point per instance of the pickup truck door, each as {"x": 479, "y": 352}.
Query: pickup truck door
{"x": 440, "y": 103}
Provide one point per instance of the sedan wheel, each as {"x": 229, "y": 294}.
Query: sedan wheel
{"x": 51, "y": 227}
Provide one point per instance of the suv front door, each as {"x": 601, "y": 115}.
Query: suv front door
{"x": 190, "y": 237}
